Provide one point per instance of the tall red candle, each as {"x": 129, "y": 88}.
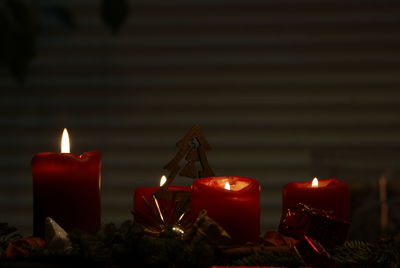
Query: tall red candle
{"x": 66, "y": 187}
{"x": 233, "y": 202}
{"x": 330, "y": 194}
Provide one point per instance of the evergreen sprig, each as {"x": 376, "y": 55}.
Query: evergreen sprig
{"x": 7, "y": 234}
{"x": 270, "y": 258}
{"x": 128, "y": 245}
{"x": 362, "y": 254}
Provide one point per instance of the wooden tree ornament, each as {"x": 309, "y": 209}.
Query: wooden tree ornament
{"x": 192, "y": 147}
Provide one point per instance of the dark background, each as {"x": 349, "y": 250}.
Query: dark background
{"x": 285, "y": 90}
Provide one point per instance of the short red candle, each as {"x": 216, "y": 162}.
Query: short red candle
{"x": 330, "y": 194}
{"x": 66, "y": 187}
{"x": 237, "y": 210}
{"x": 143, "y": 197}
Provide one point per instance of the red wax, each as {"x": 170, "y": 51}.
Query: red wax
{"x": 237, "y": 210}
{"x": 143, "y": 203}
{"x": 331, "y": 194}
{"x": 66, "y": 187}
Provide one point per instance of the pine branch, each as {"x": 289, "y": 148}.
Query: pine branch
{"x": 7, "y": 234}
{"x": 269, "y": 258}
{"x": 127, "y": 245}
{"x": 362, "y": 254}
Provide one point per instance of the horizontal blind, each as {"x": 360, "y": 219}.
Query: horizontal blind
{"x": 273, "y": 83}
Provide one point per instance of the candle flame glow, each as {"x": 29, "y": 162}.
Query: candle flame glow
{"x": 178, "y": 230}
{"x": 314, "y": 183}
{"x": 65, "y": 142}
{"x": 163, "y": 180}
{"x": 227, "y": 186}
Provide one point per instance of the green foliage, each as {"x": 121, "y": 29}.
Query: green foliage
{"x": 127, "y": 245}
{"x": 7, "y": 234}
{"x": 18, "y": 29}
{"x": 114, "y": 13}
{"x": 361, "y": 254}
{"x": 270, "y": 258}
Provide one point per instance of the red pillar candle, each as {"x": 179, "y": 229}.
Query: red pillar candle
{"x": 66, "y": 187}
{"x": 146, "y": 211}
{"x": 233, "y": 202}
{"x": 330, "y": 194}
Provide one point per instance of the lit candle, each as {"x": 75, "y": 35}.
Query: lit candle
{"x": 233, "y": 202}
{"x": 330, "y": 194}
{"x": 66, "y": 187}
{"x": 153, "y": 213}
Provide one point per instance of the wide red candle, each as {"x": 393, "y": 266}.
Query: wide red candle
{"x": 237, "y": 210}
{"x": 330, "y": 194}
{"x": 66, "y": 187}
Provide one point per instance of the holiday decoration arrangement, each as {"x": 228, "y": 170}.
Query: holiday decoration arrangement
{"x": 215, "y": 222}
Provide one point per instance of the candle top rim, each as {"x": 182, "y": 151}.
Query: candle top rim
{"x": 87, "y": 156}
{"x": 325, "y": 183}
{"x": 212, "y": 183}
{"x": 170, "y": 187}
{"x": 71, "y": 154}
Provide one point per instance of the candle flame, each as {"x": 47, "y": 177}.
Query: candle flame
{"x": 227, "y": 186}
{"x": 163, "y": 180}
{"x": 65, "y": 142}
{"x": 314, "y": 183}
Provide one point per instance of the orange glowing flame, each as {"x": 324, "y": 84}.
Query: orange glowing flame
{"x": 227, "y": 186}
{"x": 163, "y": 180}
{"x": 65, "y": 142}
{"x": 314, "y": 183}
